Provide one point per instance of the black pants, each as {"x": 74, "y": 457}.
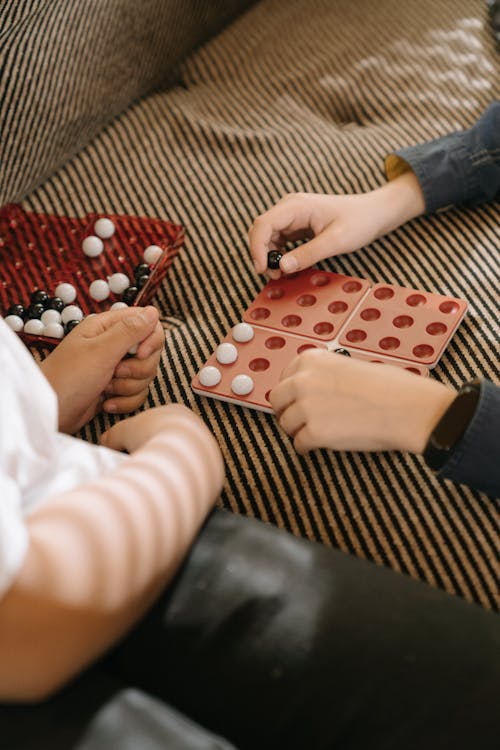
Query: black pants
{"x": 275, "y": 642}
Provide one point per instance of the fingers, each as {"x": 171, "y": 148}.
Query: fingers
{"x": 308, "y": 254}
{"x": 288, "y": 218}
{"x": 153, "y": 344}
{"x": 123, "y": 329}
{"x": 125, "y": 404}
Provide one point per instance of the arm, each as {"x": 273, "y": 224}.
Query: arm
{"x": 459, "y": 169}
{"x": 462, "y": 168}
{"x": 99, "y": 555}
{"x": 328, "y": 401}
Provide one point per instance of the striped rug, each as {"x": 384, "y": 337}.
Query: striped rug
{"x": 310, "y": 96}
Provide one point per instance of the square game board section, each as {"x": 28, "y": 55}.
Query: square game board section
{"x": 39, "y": 251}
{"x": 405, "y": 323}
{"x": 313, "y": 303}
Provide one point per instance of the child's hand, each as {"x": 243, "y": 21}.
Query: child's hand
{"x": 326, "y": 400}
{"x": 334, "y": 224}
{"x": 86, "y": 369}
{"x": 132, "y": 433}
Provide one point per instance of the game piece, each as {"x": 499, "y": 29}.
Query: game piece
{"x": 50, "y": 316}
{"x": 54, "y": 330}
{"x": 34, "y": 311}
{"x": 130, "y": 294}
{"x": 210, "y": 376}
{"x": 39, "y": 297}
{"x": 133, "y": 350}
{"x": 382, "y": 324}
{"x": 142, "y": 280}
{"x": 104, "y": 228}
{"x": 242, "y": 332}
{"x": 66, "y": 292}
{"x": 92, "y": 246}
{"x": 226, "y": 353}
{"x": 118, "y": 305}
{"x": 118, "y": 282}
{"x": 56, "y": 303}
{"x": 73, "y": 323}
{"x": 242, "y": 385}
{"x": 273, "y": 259}
{"x": 71, "y": 312}
{"x": 34, "y": 326}
{"x": 152, "y": 254}
{"x": 141, "y": 269}
{"x": 99, "y": 290}
{"x": 17, "y": 310}
{"x": 15, "y": 322}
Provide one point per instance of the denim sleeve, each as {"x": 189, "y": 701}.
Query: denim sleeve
{"x": 476, "y": 458}
{"x": 462, "y": 168}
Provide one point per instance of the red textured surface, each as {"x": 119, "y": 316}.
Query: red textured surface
{"x": 405, "y": 323}
{"x": 39, "y": 251}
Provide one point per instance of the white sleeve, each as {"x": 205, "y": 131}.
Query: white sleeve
{"x": 13, "y": 533}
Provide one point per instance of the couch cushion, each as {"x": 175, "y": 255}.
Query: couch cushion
{"x": 286, "y": 99}
{"x": 69, "y": 67}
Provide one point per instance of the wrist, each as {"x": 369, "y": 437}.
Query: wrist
{"x": 427, "y": 408}
{"x": 402, "y": 199}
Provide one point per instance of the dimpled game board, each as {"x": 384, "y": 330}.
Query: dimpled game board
{"x": 40, "y": 251}
{"x": 379, "y": 323}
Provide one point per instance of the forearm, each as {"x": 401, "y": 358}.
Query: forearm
{"x": 462, "y": 168}
{"x": 98, "y": 556}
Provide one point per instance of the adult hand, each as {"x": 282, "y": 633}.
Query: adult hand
{"x": 87, "y": 369}
{"x": 326, "y": 400}
{"x": 332, "y": 224}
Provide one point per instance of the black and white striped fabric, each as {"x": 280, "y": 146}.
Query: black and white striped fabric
{"x": 310, "y": 96}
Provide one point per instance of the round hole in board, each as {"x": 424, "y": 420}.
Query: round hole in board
{"x": 275, "y": 342}
{"x": 320, "y": 279}
{"x": 371, "y": 313}
{"x": 403, "y": 321}
{"x": 259, "y": 364}
{"x": 436, "y": 329}
{"x": 291, "y": 321}
{"x": 305, "y": 347}
{"x": 260, "y": 313}
{"x": 384, "y": 292}
{"x": 389, "y": 343}
{"x": 415, "y": 300}
{"x": 306, "y": 300}
{"x": 337, "y": 307}
{"x": 423, "y": 350}
{"x": 289, "y": 276}
{"x": 267, "y": 396}
{"x": 449, "y": 307}
{"x": 413, "y": 370}
{"x": 355, "y": 335}
{"x": 276, "y": 292}
{"x": 351, "y": 286}
{"x": 323, "y": 328}
{"x": 376, "y": 362}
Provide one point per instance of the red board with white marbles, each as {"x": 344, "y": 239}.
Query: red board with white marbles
{"x": 41, "y": 251}
{"x": 379, "y": 323}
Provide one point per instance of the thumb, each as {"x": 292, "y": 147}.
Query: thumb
{"x": 128, "y": 331}
{"x": 308, "y": 254}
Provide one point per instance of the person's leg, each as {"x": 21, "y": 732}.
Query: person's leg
{"x": 276, "y": 642}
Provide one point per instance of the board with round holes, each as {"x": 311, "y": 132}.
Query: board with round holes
{"x": 379, "y": 323}
{"x": 100, "y": 261}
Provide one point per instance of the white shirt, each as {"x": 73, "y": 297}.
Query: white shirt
{"x": 36, "y": 461}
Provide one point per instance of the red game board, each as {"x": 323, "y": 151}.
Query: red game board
{"x": 40, "y": 251}
{"x": 380, "y": 323}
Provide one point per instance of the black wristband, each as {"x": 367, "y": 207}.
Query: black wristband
{"x": 452, "y": 426}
